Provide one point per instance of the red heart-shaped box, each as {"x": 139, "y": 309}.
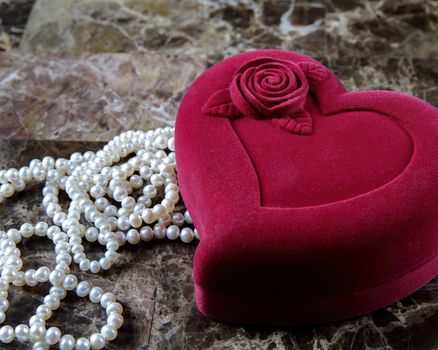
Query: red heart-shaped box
{"x": 308, "y": 211}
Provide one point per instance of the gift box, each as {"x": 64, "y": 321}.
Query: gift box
{"x": 312, "y": 203}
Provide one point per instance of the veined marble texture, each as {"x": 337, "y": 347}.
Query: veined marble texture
{"x": 337, "y": 28}
{"x": 93, "y": 97}
{"x": 13, "y": 19}
{"x": 86, "y": 70}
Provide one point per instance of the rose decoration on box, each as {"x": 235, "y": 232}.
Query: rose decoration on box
{"x": 269, "y": 88}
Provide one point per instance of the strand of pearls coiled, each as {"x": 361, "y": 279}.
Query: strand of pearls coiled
{"x": 112, "y": 194}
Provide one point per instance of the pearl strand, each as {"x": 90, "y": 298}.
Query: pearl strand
{"x": 96, "y": 184}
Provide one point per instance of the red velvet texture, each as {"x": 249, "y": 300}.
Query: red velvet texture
{"x": 305, "y": 223}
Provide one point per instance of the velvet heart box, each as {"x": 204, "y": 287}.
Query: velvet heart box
{"x": 313, "y": 204}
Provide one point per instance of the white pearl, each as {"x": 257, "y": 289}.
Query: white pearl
{"x": 128, "y": 202}
{"x": 95, "y": 294}
{"x": 36, "y": 319}
{"x": 150, "y": 191}
{"x": 115, "y": 320}
{"x": 148, "y": 216}
{"x": 97, "y": 341}
{"x": 159, "y": 210}
{"x": 52, "y": 302}
{"x": 157, "y": 180}
{"x": 120, "y": 238}
{"x": 172, "y": 232}
{"x": 63, "y": 258}
{"x": 123, "y": 223}
{"x": 114, "y": 307}
{"x": 40, "y": 345}
{"x": 91, "y": 234}
{"x": 136, "y": 181}
{"x": 22, "y": 332}
{"x": 144, "y": 200}
{"x": 37, "y": 332}
{"x": 59, "y": 218}
{"x": 78, "y": 257}
{"x": 62, "y": 247}
{"x": 146, "y": 233}
{"x": 171, "y": 144}
{"x": 82, "y": 344}
{"x": 145, "y": 172}
{"x": 7, "y": 190}
{"x": 133, "y": 236}
{"x": 112, "y": 244}
{"x": 6, "y": 334}
{"x": 53, "y": 335}
{"x": 14, "y": 235}
{"x": 4, "y": 304}
{"x": 127, "y": 169}
{"x": 97, "y": 191}
{"x": 48, "y": 162}
{"x": 187, "y": 235}
{"x": 83, "y": 288}
{"x": 76, "y": 157}
{"x": 107, "y": 298}
{"x": 110, "y": 210}
{"x": 9, "y": 273}
{"x": 13, "y": 262}
{"x": 62, "y": 266}
{"x": 135, "y": 220}
{"x": 56, "y": 277}
{"x": 35, "y": 163}
{"x": 100, "y": 179}
{"x": 43, "y": 311}
{"x": 119, "y": 194}
{"x": 105, "y": 263}
{"x": 94, "y": 266}
{"x": 111, "y": 255}
{"x": 178, "y": 219}
{"x": 161, "y": 142}
{"x": 159, "y": 231}
{"x": 19, "y": 278}
{"x": 41, "y": 229}
{"x": 70, "y": 282}
{"x": 26, "y": 230}
{"x": 138, "y": 208}
{"x": 77, "y": 248}
{"x": 187, "y": 217}
{"x": 168, "y": 204}
{"x": 61, "y": 164}
{"x": 165, "y": 219}
{"x": 171, "y": 187}
{"x": 67, "y": 342}
{"x": 108, "y": 332}
{"x": 42, "y": 274}
{"x": 58, "y": 292}
{"x": 84, "y": 265}
{"x": 25, "y": 174}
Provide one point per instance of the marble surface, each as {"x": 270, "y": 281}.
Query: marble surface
{"x": 85, "y": 70}
{"x": 90, "y": 97}
{"x": 13, "y": 18}
{"x": 361, "y": 28}
{"x": 96, "y": 96}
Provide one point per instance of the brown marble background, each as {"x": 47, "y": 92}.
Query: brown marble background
{"x": 77, "y": 72}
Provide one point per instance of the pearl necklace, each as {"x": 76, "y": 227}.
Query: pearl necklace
{"x": 134, "y": 169}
